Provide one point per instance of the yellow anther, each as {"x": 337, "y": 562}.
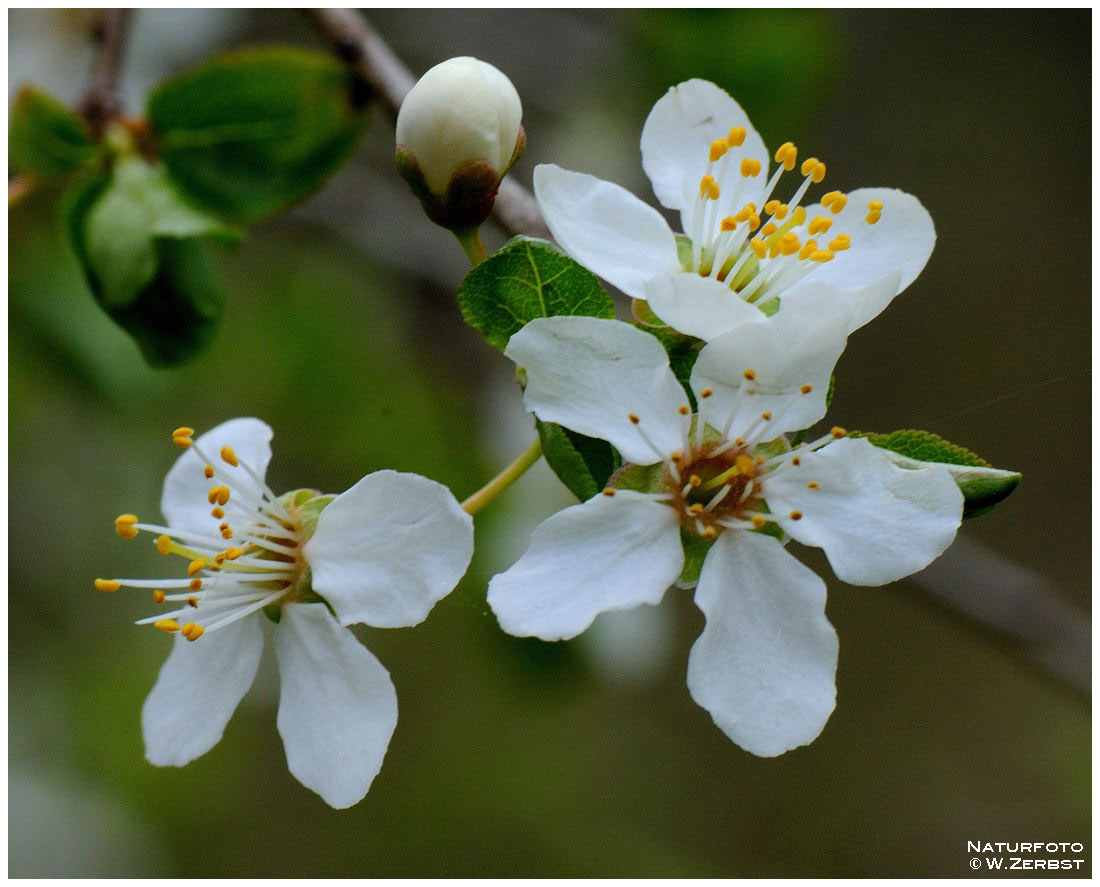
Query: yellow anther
{"x": 717, "y": 148}
{"x": 749, "y": 374}
{"x": 808, "y": 249}
{"x": 745, "y": 465}
{"x": 192, "y": 601}
{"x": 781, "y": 213}
{"x": 181, "y": 437}
{"x": 821, "y": 255}
{"x": 789, "y": 244}
{"x": 164, "y": 544}
{"x": 158, "y": 596}
{"x": 874, "y": 204}
{"x": 609, "y": 492}
{"x": 796, "y": 515}
{"x": 633, "y": 417}
{"x": 813, "y": 485}
{"x": 798, "y": 216}
{"x": 695, "y": 509}
{"x": 683, "y": 409}
{"x": 771, "y": 207}
{"x": 192, "y": 631}
{"x": 837, "y": 200}
{"x": 219, "y": 557}
{"x": 750, "y": 167}
{"x": 873, "y": 216}
{"x": 759, "y": 247}
{"x": 838, "y": 432}
{"x": 199, "y": 563}
{"x": 217, "y": 513}
{"x": 740, "y": 442}
{"x": 754, "y": 222}
{"x": 124, "y": 525}
{"x": 774, "y": 250}
{"x": 709, "y": 533}
{"x": 787, "y": 155}
{"x": 107, "y": 585}
{"x": 167, "y": 625}
{"x": 227, "y": 533}
{"x": 676, "y": 457}
{"x": 229, "y": 456}
{"x": 208, "y": 471}
{"x": 806, "y": 389}
{"x": 766, "y": 415}
{"x": 840, "y": 242}
{"x": 728, "y": 223}
{"x": 736, "y": 137}
{"x": 745, "y": 213}
{"x": 796, "y": 461}
{"x": 195, "y": 584}
{"x": 820, "y": 225}
{"x": 219, "y": 495}
{"x": 233, "y": 553}
{"x": 695, "y": 480}
{"x": 706, "y": 392}
{"x": 813, "y": 168}
{"x": 758, "y": 521}
{"x": 708, "y": 188}
{"x": 769, "y": 229}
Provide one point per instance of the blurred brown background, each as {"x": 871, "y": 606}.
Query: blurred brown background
{"x": 517, "y": 758}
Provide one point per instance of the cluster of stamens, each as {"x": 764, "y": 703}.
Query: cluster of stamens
{"x": 760, "y": 251}
{"x": 717, "y": 482}
{"x": 250, "y": 559}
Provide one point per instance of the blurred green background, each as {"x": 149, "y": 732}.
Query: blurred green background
{"x": 517, "y": 758}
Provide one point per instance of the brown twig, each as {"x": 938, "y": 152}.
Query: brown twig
{"x": 354, "y": 41}
{"x": 999, "y": 598}
{"x": 101, "y": 103}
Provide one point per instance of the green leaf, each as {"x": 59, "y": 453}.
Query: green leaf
{"x": 582, "y": 463}
{"x": 45, "y": 138}
{"x": 982, "y": 485}
{"x": 250, "y": 133}
{"x": 528, "y": 278}
{"x": 144, "y": 255}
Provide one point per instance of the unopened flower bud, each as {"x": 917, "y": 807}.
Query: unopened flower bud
{"x": 458, "y": 133}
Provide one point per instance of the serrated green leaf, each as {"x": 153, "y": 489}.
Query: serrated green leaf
{"x": 249, "y": 133}
{"x": 45, "y": 138}
{"x": 982, "y": 485}
{"x": 528, "y": 278}
{"x": 582, "y": 463}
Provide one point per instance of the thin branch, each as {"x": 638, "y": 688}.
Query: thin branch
{"x": 999, "y": 598}
{"x": 357, "y": 43}
{"x": 101, "y": 103}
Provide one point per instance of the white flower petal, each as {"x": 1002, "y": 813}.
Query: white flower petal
{"x": 590, "y": 375}
{"x": 337, "y": 705}
{"x": 796, "y": 347}
{"x": 197, "y": 691}
{"x": 606, "y": 228}
{"x": 901, "y": 239}
{"x": 389, "y": 548}
{"x": 184, "y": 500}
{"x": 676, "y": 143}
{"x": 864, "y": 303}
{"x": 765, "y": 664}
{"x": 698, "y": 306}
{"x": 876, "y": 521}
{"x": 609, "y": 553}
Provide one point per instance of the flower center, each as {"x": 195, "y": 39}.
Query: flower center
{"x": 249, "y": 559}
{"x": 760, "y": 251}
{"x": 720, "y": 485}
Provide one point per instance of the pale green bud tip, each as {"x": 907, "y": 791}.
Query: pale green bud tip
{"x": 461, "y": 115}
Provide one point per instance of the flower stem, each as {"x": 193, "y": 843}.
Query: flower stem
{"x": 505, "y": 479}
{"x": 472, "y": 245}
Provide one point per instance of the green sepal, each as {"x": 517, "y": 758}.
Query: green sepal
{"x": 696, "y": 549}
{"x": 251, "y": 132}
{"x": 273, "y": 612}
{"x": 45, "y": 138}
{"x": 639, "y": 478}
{"x": 982, "y": 485}
{"x": 526, "y": 279}
{"x": 582, "y": 463}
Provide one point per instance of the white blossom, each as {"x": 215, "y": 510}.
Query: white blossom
{"x": 381, "y": 553}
